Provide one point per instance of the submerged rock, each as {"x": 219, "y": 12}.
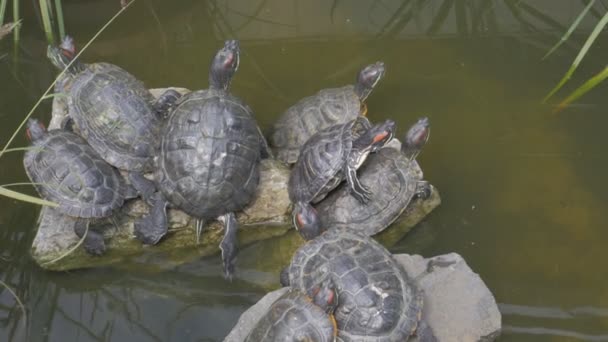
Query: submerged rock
{"x": 457, "y": 304}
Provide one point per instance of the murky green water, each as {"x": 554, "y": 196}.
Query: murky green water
{"x": 524, "y": 191}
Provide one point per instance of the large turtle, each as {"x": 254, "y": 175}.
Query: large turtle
{"x": 377, "y": 300}
{"x": 326, "y": 108}
{"x": 328, "y": 157}
{"x": 396, "y": 178}
{"x": 208, "y": 163}
{"x": 297, "y": 317}
{"x": 67, "y": 171}
{"x": 113, "y": 111}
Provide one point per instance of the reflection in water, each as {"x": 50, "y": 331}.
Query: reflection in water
{"x": 523, "y": 191}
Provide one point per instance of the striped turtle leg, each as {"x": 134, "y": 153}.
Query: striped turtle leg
{"x": 360, "y": 192}
{"x": 229, "y": 244}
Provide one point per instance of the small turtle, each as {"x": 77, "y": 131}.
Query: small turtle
{"x": 325, "y": 160}
{"x": 396, "y": 178}
{"x": 67, "y": 171}
{"x": 377, "y": 300}
{"x": 209, "y": 158}
{"x": 297, "y": 317}
{"x": 326, "y": 108}
{"x": 113, "y": 111}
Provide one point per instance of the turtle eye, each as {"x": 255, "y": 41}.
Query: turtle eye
{"x": 380, "y": 136}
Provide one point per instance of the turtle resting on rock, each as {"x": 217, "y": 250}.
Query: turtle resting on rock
{"x": 113, "y": 111}
{"x": 209, "y": 158}
{"x": 377, "y": 300}
{"x": 396, "y": 179}
{"x": 325, "y": 160}
{"x": 326, "y": 108}
{"x": 67, "y": 171}
{"x": 295, "y": 316}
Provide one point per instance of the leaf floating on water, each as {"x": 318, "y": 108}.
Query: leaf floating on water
{"x": 7, "y": 28}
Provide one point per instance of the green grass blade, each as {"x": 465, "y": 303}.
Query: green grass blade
{"x": 582, "y": 90}
{"x": 571, "y": 29}
{"x": 2, "y": 11}
{"x": 581, "y": 54}
{"x": 26, "y": 198}
{"x": 46, "y": 14}
{"x": 17, "y": 299}
{"x": 16, "y": 149}
{"x": 71, "y": 250}
{"x": 48, "y": 90}
{"x": 16, "y": 19}
{"x": 60, "y": 24}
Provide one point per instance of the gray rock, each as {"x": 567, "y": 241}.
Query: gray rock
{"x": 458, "y": 306}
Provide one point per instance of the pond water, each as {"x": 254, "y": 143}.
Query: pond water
{"x": 524, "y": 190}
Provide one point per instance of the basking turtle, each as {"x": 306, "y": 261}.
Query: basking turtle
{"x": 396, "y": 178}
{"x": 209, "y": 156}
{"x": 67, "y": 171}
{"x": 113, "y": 111}
{"x": 377, "y": 300}
{"x": 326, "y": 108}
{"x": 297, "y": 317}
{"x": 325, "y": 160}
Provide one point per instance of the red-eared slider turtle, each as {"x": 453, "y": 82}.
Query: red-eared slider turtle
{"x": 377, "y": 300}
{"x": 67, "y": 171}
{"x": 208, "y": 163}
{"x": 395, "y": 177}
{"x": 297, "y": 317}
{"x": 113, "y": 111}
{"x": 325, "y": 160}
{"x": 326, "y": 108}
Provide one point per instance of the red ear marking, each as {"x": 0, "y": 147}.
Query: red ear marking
{"x": 331, "y": 298}
{"x": 28, "y": 134}
{"x": 68, "y": 53}
{"x": 380, "y": 136}
{"x": 300, "y": 219}
{"x": 229, "y": 60}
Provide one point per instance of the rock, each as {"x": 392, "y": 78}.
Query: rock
{"x": 457, "y": 304}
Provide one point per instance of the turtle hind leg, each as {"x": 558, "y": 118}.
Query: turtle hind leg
{"x": 144, "y": 187}
{"x": 200, "y": 223}
{"x": 165, "y": 102}
{"x": 423, "y": 190}
{"x": 284, "y": 277}
{"x": 151, "y": 228}
{"x": 229, "y": 244}
{"x": 93, "y": 242}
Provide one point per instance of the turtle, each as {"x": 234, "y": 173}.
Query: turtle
{"x": 397, "y": 179}
{"x": 208, "y": 164}
{"x": 328, "y": 157}
{"x": 297, "y": 317}
{"x": 377, "y": 299}
{"x": 66, "y": 170}
{"x": 113, "y": 111}
{"x": 326, "y": 108}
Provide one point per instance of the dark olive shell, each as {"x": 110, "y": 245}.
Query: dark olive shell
{"x": 293, "y": 317}
{"x": 311, "y": 114}
{"x": 377, "y": 299}
{"x": 69, "y": 172}
{"x": 210, "y": 151}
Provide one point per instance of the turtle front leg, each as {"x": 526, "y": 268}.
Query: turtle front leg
{"x": 360, "y": 192}
{"x": 423, "y": 190}
{"x": 93, "y": 241}
{"x": 145, "y": 187}
{"x": 151, "y": 228}
{"x": 165, "y": 102}
{"x": 229, "y": 244}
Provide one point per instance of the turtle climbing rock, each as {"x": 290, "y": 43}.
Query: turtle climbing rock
{"x": 297, "y": 317}
{"x": 326, "y": 159}
{"x": 67, "y": 171}
{"x": 209, "y": 158}
{"x": 326, "y": 108}
{"x": 395, "y": 178}
{"x": 377, "y": 300}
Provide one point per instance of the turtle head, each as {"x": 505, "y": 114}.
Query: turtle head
{"x": 62, "y": 55}
{"x": 368, "y": 78}
{"x": 306, "y": 220}
{"x": 376, "y": 137}
{"x": 415, "y": 138}
{"x": 224, "y": 65}
{"x": 34, "y": 130}
{"x": 324, "y": 295}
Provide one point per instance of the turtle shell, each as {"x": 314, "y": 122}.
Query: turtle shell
{"x": 322, "y": 158}
{"x": 294, "y": 317}
{"x": 208, "y": 163}
{"x": 113, "y": 112}
{"x": 394, "y": 181}
{"x": 377, "y": 299}
{"x": 311, "y": 114}
{"x": 69, "y": 172}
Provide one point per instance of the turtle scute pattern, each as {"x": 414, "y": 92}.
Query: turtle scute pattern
{"x": 311, "y": 114}
{"x": 69, "y": 172}
{"x": 293, "y": 317}
{"x": 377, "y": 300}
